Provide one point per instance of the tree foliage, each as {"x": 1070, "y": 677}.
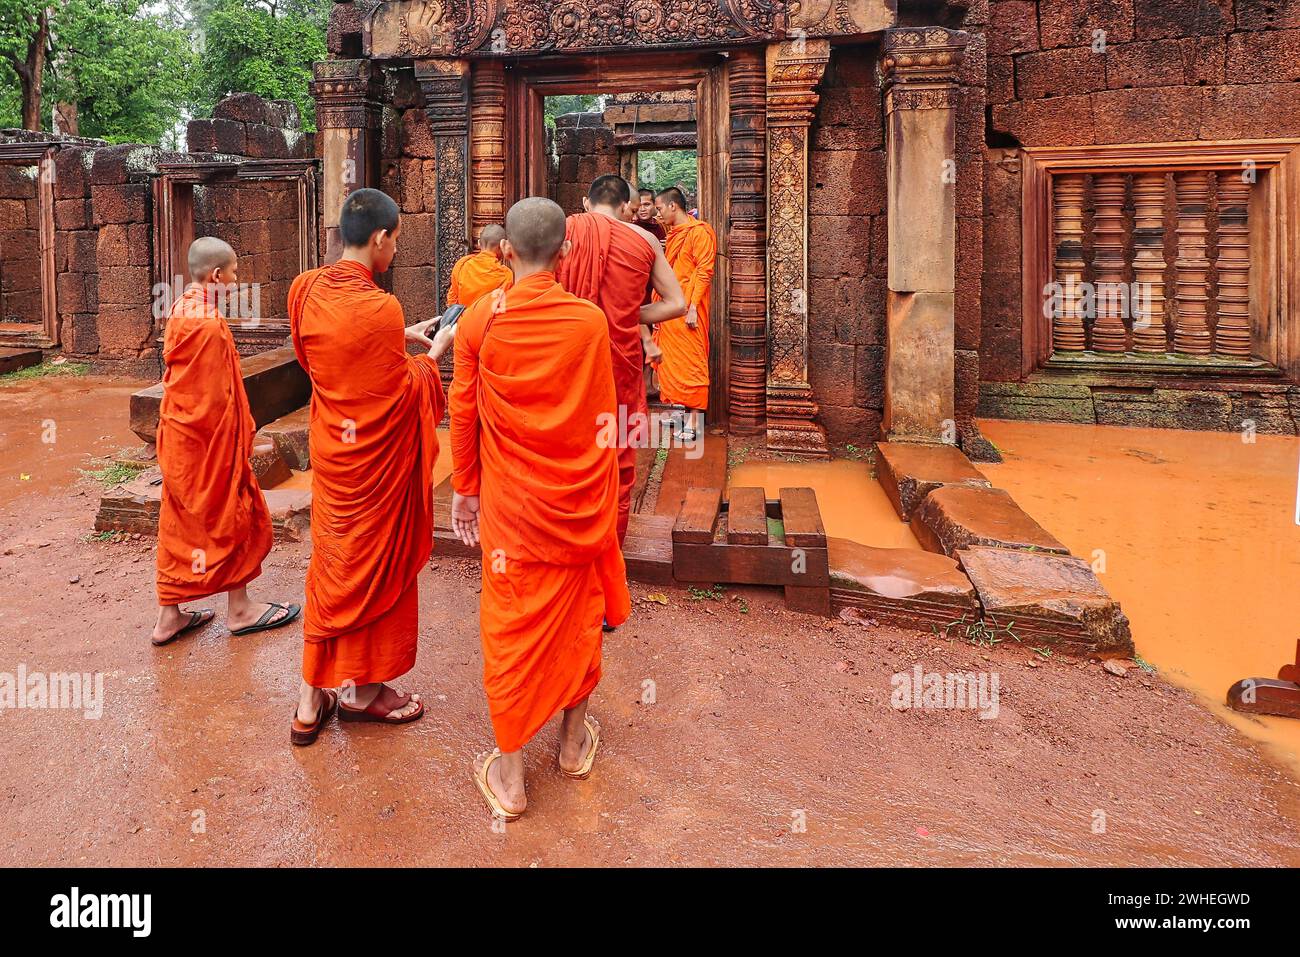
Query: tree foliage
{"x": 660, "y": 169}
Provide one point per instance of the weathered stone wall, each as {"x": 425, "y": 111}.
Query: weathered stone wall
{"x": 20, "y": 277}
{"x": 244, "y": 124}
{"x": 584, "y": 150}
{"x": 847, "y": 236}
{"x": 1084, "y": 72}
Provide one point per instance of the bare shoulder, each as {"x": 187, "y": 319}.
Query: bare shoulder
{"x": 651, "y": 240}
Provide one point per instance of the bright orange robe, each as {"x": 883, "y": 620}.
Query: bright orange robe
{"x": 532, "y": 388}
{"x": 684, "y": 368}
{"x": 373, "y": 441}
{"x": 609, "y": 263}
{"x": 476, "y": 275}
{"x": 214, "y": 528}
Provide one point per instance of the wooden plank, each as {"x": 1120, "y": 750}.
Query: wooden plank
{"x": 648, "y": 549}
{"x": 750, "y": 565}
{"x": 698, "y": 516}
{"x": 645, "y": 463}
{"x": 703, "y": 466}
{"x": 746, "y": 516}
{"x": 803, "y": 519}
{"x": 811, "y": 601}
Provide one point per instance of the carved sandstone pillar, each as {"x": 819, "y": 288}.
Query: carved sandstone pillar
{"x": 1067, "y": 215}
{"x": 918, "y": 69}
{"x": 349, "y": 113}
{"x": 445, "y": 84}
{"x": 1108, "y": 333}
{"x": 487, "y": 145}
{"x": 1192, "y": 330}
{"x": 1149, "y": 261}
{"x": 747, "y": 399}
{"x": 1232, "y": 334}
{"x": 794, "y": 69}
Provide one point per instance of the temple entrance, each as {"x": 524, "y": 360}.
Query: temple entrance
{"x": 659, "y": 120}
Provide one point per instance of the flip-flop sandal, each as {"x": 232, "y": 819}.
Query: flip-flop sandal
{"x": 378, "y": 713}
{"x": 304, "y": 734}
{"x": 265, "y": 623}
{"x": 494, "y": 802}
{"x": 197, "y": 620}
{"x": 584, "y": 772}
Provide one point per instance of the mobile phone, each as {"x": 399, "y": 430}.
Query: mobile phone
{"x": 449, "y": 317}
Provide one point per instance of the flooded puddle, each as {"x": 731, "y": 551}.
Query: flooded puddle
{"x": 1197, "y": 532}
{"x": 852, "y": 503}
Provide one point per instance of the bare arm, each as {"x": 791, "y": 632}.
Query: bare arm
{"x": 672, "y": 301}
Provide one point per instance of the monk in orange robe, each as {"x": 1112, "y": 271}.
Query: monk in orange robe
{"x": 610, "y": 262}
{"x": 478, "y": 274}
{"x": 214, "y": 529}
{"x": 535, "y": 484}
{"x": 374, "y": 414}
{"x": 684, "y": 369}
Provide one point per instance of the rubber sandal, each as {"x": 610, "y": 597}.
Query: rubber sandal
{"x": 378, "y": 713}
{"x": 494, "y": 802}
{"x": 584, "y": 772}
{"x": 301, "y": 734}
{"x": 266, "y": 624}
{"x": 197, "y": 620}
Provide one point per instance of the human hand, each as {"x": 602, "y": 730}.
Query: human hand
{"x": 464, "y": 518}
{"x": 442, "y": 341}
{"x": 652, "y": 352}
{"x": 692, "y": 319}
{"x": 416, "y": 333}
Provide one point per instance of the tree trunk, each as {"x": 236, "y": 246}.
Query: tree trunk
{"x": 33, "y": 72}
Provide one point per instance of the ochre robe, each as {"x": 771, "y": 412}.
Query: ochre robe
{"x": 214, "y": 528}
{"x": 532, "y": 389}
{"x": 476, "y": 275}
{"x": 609, "y": 263}
{"x": 684, "y": 368}
{"x": 373, "y": 442}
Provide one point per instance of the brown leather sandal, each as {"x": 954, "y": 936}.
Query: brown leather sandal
{"x": 379, "y": 713}
{"x": 304, "y": 734}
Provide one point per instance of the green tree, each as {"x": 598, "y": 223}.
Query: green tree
{"x": 258, "y": 47}
{"x": 123, "y": 66}
{"x": 659, "y": 169}
{"x": 554, "y": 106}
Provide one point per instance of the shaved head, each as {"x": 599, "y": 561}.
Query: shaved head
{"x": 535, "y": 230}
{"x": 491, "y": 237}
{"x": 673, "y": 195}
{"x": 609, "y": 190}
{"x": 206, "y": 254}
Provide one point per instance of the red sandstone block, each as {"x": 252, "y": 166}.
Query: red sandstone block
{"x": 1250, "y": 110}
{"x": 16, "y": 184}
{"x": 267, "y": 142}
{"x": 416, "y": 137}
{"x": 243, "y": 108}
{"x": 124, "y": 328}
{"x": 1068, "y": 23}
{"x": 71, "y": 213}
{"x": 836, "y": 255}
{"x": 113, "y": 247}
{"x": 412, "y": 185}
{"x": 848, "y": 182}
{"x": 430, "y": 180}
{"x": 140, "y": 244}
{"x": 114, "y": 165}
{"x": 1013, "y": 26}
{"x": 403, "y": 92}
{"x": 869, "y": 377}
{"x": 1272, "y": 55}
{"x": 416, "y": 289}
{"x": 418, "y": 245}
{"x": 1153, "y": 63}
{"x": 1069, "y": 70}
{"x": 966, "y": 382}
{"x": 70, "y": 290}
{"x": 125, "y": 285}
{"x": 127, "y": 203}
{"x": 347, "y": 21}
{"x": 71, "y": 173}
{"x": 254, "y": 241}
{"x": 831, "y": 366}
{"x": 80, "y": 335}
{"x": 13, "y": 214}
{"x": 1059, "y": 121}
{"x": 216, "y": 136}
{"x": 254, "y": 202}
{"x": 974, "y": 69}
{"x": 61, "y": 243}
{"x": 1148, "y": 115}
{"x": 1182, "y": 18}
{"x": 848, "y": 425}
{"x": 1267, "y": 14}
{"x": 1002, "y": 80}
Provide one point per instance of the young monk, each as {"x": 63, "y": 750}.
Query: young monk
{"x": 684, "y": 368}
{"x": 610, "y": 262}
{"x": 479, "y": 273}
{"x": 374, "y": 412}
{"x": 214, "y": 528}
{"x": 539, "y": 493}
{"x": 645, "y": 216}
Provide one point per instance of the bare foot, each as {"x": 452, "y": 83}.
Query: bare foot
{"x": 172, "y": 620}
{"x": 576, "y": 745}
{"x": 399, "y": 704}
{"x": 309, "y": 710}
{"x": 245, "y": 617}
{"x": 509, "y": 793}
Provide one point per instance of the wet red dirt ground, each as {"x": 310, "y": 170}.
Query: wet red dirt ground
{"x": 770, "y": 739}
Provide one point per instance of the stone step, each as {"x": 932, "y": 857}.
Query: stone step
{"x": 909, "y": 471}
{"x": 955, "y": 516}
{"x": 289, "y": 433}
{"x": 18, "y": 357}
{"x": 900, "y": 586}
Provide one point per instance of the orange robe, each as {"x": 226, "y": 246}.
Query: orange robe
{"x": 474, "y": 276}
{"x": 610, "y": 264}
{"x": 214, "y": 528}
{"x": 531, "y": 389}
{"x": 684, "y": 368}
{"x": 373, "y": 440}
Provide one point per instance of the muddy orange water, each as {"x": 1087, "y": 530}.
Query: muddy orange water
{"x": 1198, "y": 534}
{"x": 54, "y": 425}
{"x": 852, "y": 503}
